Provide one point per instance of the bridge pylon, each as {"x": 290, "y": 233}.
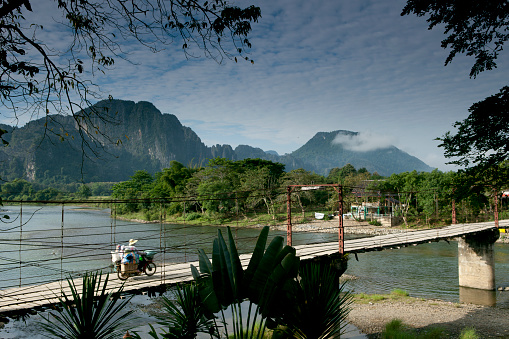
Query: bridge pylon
{"x": 476, "y": 260}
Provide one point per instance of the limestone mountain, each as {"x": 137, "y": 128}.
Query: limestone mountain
{"x": 140, "y": 137}
{"x": 323, "y": 152}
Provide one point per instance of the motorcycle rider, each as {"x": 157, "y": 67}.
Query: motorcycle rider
{"x": 138, "y": 255}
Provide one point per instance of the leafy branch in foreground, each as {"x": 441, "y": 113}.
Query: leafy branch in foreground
{"x": 476, "y": 28}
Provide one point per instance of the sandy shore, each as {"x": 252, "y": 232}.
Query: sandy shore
{"x": 489, "y": 322}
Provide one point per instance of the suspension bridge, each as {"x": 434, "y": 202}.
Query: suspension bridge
{"x": 40, "y": 296}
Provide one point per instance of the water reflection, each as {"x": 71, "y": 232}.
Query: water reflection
{"x": 478, "y": 297}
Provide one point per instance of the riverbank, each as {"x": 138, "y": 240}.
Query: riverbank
{"x": 423, "y": 315}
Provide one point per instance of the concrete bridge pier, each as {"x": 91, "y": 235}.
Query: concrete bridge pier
{"x": 476, "y": 260}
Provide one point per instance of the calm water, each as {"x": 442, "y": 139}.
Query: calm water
{"x": 428, "y": 270}
{"x": 54, "y": 246}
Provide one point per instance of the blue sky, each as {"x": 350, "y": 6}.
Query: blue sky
{"x": 318, "y": 66}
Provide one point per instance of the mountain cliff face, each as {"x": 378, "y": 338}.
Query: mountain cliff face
{"x": 140, "y": 137}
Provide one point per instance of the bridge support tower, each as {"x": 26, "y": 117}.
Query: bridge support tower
{"x": 476, "y": 261}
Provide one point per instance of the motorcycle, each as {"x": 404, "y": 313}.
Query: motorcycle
{"x": 146, "y": 266}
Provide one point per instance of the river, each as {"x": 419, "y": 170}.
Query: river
{"x": 428, "y": 270}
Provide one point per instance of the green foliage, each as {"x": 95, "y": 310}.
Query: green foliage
{"x": 84, "y": 192}
{"x": 397, "y": 330}
{"x": 481, "y": 138}
{"x": 400, "y": 292}
{"x": 185, "y": 317}
{"x": 193, "y": 216}
{"x": 475, "y": 28}
{"x": 314, "y": 306}
{"x": 375, "y": 223}
{"x": 171, "y": 181}
{"x": 223, "y": 283}
{"x": 469, "y": 333}
{"x": 92, "y": 314}
{"x": 138, "y": 187}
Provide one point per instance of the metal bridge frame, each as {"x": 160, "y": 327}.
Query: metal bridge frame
{"x": 341, "y": 232}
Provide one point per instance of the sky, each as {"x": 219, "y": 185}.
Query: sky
{"x": 319, "y": 66}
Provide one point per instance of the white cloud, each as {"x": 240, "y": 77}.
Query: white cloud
{"x": 364, "y": 141}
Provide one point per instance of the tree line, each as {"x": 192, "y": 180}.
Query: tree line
{"x": 257, "y": 189}
{"x": 250, "y": 188}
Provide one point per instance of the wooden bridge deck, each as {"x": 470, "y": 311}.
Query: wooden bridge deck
{"x": 35, "y": 296}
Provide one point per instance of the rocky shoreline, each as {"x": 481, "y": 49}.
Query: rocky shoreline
{"x": 423, "y": 315}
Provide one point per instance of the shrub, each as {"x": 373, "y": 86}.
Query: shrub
{"x": 89, "y": 311}
{"x": 193, "y": 216}
{"x": 469, "y": 333}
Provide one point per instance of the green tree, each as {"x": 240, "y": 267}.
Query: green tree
{"x": 84, "y": 192}
{"x": 337, "y": 175}
{"x": 474, "y": 28}
{"x": 259, "y": 181}
{"x": 47, "y": 194}
{"x": 217, "y": 183}
{"x": 171, "y": 181}
{"x": 479, "y": 29}
{"x": 138, "y": 187}
{"x": 435, "y": 194}
{"x": 405, "y": 185}
{"x": 17, "y": 189}
{"x": 481, "y": 144}
{"x": 482, "y": 138}
{"x": 259, "y": 186}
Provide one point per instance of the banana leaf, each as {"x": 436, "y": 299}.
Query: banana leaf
{"x": 286, "y": 269}
{"x": 225, "y": 272}
{"x": 205, "y": 265}
{"x": 205, "y": 285}
{"x": 264, "y": 269}
{"x": 255, "y": 259}
{"x": 236, "y": 267}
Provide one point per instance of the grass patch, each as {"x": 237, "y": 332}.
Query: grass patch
{"x": 469, "y": 333}
{"x": 397, "y": 330}
{"x": 395, "y": 295}
{"x": 399, "y": 292}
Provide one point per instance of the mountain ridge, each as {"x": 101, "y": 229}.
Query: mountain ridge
{"x": 148, "y": 139}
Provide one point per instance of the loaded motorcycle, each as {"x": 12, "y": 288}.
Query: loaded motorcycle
{"x": 126, "y": 270}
